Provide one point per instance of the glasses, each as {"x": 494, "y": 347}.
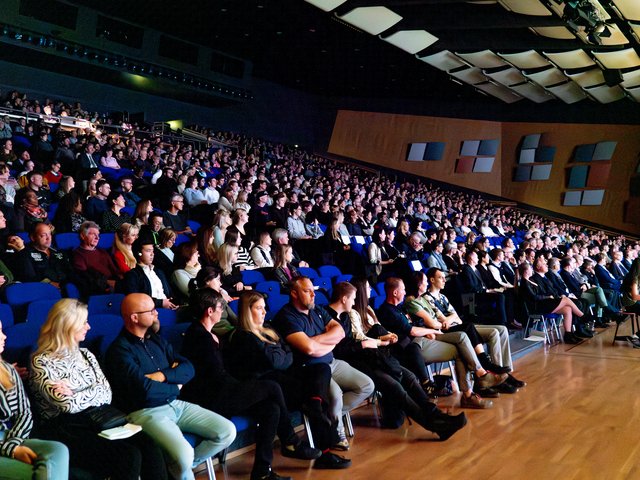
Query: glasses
{"x": 153, "y": 310}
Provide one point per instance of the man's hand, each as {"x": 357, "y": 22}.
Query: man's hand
{"x": 166, "y": 303}
{"x": 370, "y": 343}
{"x": 156, "y": 377}
{"x": 24, "y": 454}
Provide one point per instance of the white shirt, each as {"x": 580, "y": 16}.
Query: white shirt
{"x": 211, "y": 195}
{"x": 156, "y": 285}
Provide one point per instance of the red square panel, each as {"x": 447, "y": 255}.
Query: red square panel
{"x": 465, "y": 164}
{"x": 598, "y": 175}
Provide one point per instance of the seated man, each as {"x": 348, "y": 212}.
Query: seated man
{"x": 38, "y": 262}
{"x": 605, "y": 277}
{"x": 313, "y": 335}
{"x": 94, "y": 271}
{"x": 174, "y": 218}
{"x": 146, "y": 376}
{"x": 495, "y": 336}
{"x": 395, "y": 320}
{"x": 144, "y": 278}
{"x": 95, "y": 206}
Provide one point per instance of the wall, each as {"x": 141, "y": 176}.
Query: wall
{"x": 382, "y": 139}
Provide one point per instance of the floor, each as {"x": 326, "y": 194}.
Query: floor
{"x": 578, "y": 418}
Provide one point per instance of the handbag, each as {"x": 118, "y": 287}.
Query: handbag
{"x": 104, "y": 417}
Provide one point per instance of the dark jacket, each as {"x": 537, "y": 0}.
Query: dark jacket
{"x": 136, "y": 281}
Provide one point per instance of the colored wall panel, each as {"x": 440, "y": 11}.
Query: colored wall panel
{"x": 465, "y": 165}
{"x": 598, "y": 175}
{"x": 578, "y": 176}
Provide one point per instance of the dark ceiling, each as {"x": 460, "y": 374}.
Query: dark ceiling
{"x": 296, "y": 44}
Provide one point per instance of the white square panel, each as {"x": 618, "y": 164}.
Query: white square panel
{"x": 469, "y": 75}
{"x": 507, "y": 77}
{"x": 373, "y": 20}
{"x": 619, "y": 59}
{"x": 444, "y": 60}
{"x": 483, "y": 59}
{"x": 631, "y": 79}
{"x": 499, "y": 91}
{"x": 541, "y": 172}
{"x": 326, "y": 5}
{"x": 527, "y": 155}
{"x": 525, "y": 60}
{"x": 572, "y": 199}
{"x": 590, "y": 78}
{"x": 550, "y": 76}
{"x": 630, "y": 9}
{"x": 416, "y": 152}
{"x": 533, "y": 92}
{"x": 592, "y": 197}
{"x": 568, "y": 92}
{"x": 605, "y": 93}
{"x": 483, "y": 165}
{"x": 571, "y": 59}
{"x": 411, "y": 41}
{"x": 634, "y": 93}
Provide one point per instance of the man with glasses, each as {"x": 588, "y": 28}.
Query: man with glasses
{"x": 146, "y": 376}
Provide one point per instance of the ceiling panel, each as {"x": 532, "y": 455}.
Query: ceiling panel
{"x": 507, "y": 77}
{"x": 525, "y": 60}
{"x": 570, "y": 59}
{"x": 533, "y": 92}
{"x": 373, "y": 20}
{"x": 326, "y": 5}
{"x": 630, "y": 9}
{"x": 589, "y": 78}
{"x": 444, "y": 60}
{"x": 560, "y": 33}
{"x": 631, "y": 79}
{"x": 498, "y": 91}
{"x": 483, "y": 59}
{"x": 469, "y": 75}
{"x": 550, "y": 76}
{"x": 411, "y": 41}
{"x": 605, "y": 93}
{"x": 618, "y": 59}
{"x": 526, "y": 7}
{"x": 568, "y": 92}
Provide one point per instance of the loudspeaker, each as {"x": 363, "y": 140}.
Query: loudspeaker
{"x": 612, "y": 77}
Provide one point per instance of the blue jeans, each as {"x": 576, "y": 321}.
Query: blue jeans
{"x": 166, "y": 423}
{"x": 52, "y": 463}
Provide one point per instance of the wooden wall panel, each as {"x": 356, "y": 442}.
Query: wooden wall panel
{"x": 382, "y": 139}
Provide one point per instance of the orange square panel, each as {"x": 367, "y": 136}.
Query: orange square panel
{"x": 598, "y": 175}
{"x": 465, "y": 164}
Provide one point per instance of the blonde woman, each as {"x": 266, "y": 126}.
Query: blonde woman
{"x": 122, "y": 241}
{"x": 21, "y": 457}
{"x": 231, "y": 276}
{"x": 257, "y": 352}
{"x": 67, "y": 381}
{"x": 221, "y": 221}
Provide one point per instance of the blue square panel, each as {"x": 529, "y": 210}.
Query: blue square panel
{"x": 416, "y": 152}
{"x": 584, "y": 153}
{"x": 578, "y": 176}
{"x": 545, "y": 154}
{"x": 434, "y": 151}
{"x": 489, "y": 147}
{"x": 522, "y": 173}
{"x": 531, "y": 141}
{"x": 572, "y": 199}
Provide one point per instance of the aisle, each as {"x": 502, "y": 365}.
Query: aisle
{"x": 578, "y": 418}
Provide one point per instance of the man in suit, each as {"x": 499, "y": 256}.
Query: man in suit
{"x": 616, "y": 267}
{"x": 145, "y": 279}
{"x": 605, "y": 278}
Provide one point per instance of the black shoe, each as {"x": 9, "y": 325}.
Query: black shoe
{"x": 511, "y": 380}
{"x": 505, "y": 387}
{"x": 493, "y": 392}
{"x": 301, "y": 452}
{"x": 487, "y": 364}
{"x": 313, "y": 410}
{"x": 582, "y": 332}
{"x": 446, "y": 425}
{"x": 268, "y": 476}
{"x": 514, "y": 325}
{"x": 331, "y": 461}
{"x": 570, "y": 339}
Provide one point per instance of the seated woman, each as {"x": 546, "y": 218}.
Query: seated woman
{"x": 21, "y": 457}
{"x": 68, "y": 216}
{"x": 631, "y": 288}
{"x": 536, "y": 302}
{"x": 377, "y": 254}
{"x": 257, "y": 352}
{"x": 67, "y": 381}
{"x": 141, "y": 213}
{"x": 244, "y": 260}
{"x": 122, "y": 242}
{"x": 368, "y": 353}
{"x": 231, "y": 276}
{"x": 186, "y": 266}
{"x": 214, "y": 388}
{"x": 164, "y": 254}
{"x": 284, "y": 270}
{"x": 113, "y": 217}
{"x": 221, "y": 221}
{"x": 207, "y": 250}
{"x": 210, "y": 277}
{"x": 239, "y": 219}
{"x": 108, "y": 160}
{"x": 261, "y": 253}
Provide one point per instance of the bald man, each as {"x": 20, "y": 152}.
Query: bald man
{"x": 146, "y": 376}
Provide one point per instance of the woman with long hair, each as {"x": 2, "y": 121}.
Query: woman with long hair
{"x": 365, "y": 347}
{"x": 239, "y": 219}
{"x": 164, "y": 254}
{"x": 284, "y": 271}
{"x": 221, "y": 221}
{"x": 142, "y": 211}
{"x": 257, "y": 352}
{"x": 122, "y": 242}
{"x": 211, "y": 277}
{"x": 205, "y": 238}
{"x": 244, "y": 260}
{"x": 231, "y": 276}
{"x": 187, "y": 265}
{"x": 65, "y": 185}
{"x": 68, "y": 217}
{"x": 377, "y": 254}
{"x": 21, "y": 457}
{"x": 67, "y": 382}
{"x": 214, "y": 388}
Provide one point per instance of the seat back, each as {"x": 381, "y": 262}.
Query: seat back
{"x": 174, "y": 334}
{"x": 38, "y": 311}
{"x": 106, "y": 240}
{"x": 105, "y": 327}
{"x": 329, "y": 271}
{"x": 308, "y": 272}
{"x": 252, "y": 277}
{"x": 105, "y": 304}
{"x": 67, "y": 241}
{"x": 269, "y": 287}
